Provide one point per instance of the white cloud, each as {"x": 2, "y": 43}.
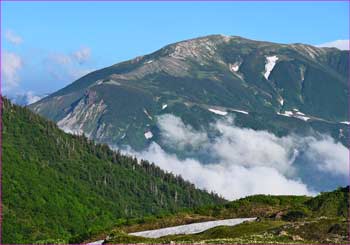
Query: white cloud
{"x": 68, "y": 67}
{"x": 82, "y": 55}
{"x": 11, "y": 65}
{"x": 230, "y": 181}
{"x": 332, "y": 157}
{"x": 179, "y": 135}
{"x": 60, "y": 58}
{"x": 244, "y": 161}
{"x": 13, "y": 37}
{"x": 339, "y": 44}
{"x": 79, "y": 56}
{"x": 250, "y": 148}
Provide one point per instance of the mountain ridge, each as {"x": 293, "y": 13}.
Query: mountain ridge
{"x": 194, "y": 75}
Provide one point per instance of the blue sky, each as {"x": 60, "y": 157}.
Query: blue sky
{"x": 46, "y": 45}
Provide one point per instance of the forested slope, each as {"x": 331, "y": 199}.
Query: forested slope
{"x": 60, "y": 186}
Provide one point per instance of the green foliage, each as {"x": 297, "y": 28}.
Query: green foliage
{"x": 294, "y": 215}
{"x": 334, "y": 203}
{"x": 257, "y": 205}
{"x": 60, "y": 186}
{"x": 282, "y": 219}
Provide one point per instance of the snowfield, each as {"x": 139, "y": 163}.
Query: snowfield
{"x": 191, "y": 228}
{"x": 96, "y": 242}
{"x": 270, "y": 64}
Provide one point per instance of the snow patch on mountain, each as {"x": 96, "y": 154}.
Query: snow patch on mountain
{"x": 295, "y": 113}
{"x": 218, "y": 112}
{"x": 304, "y": 118}
{"x": 270, "y": 64}
{"x": 113, "y": 82}
{"x": 99, "y": 82}
{"x": 281, "y": 101}
{"x": 148, "y": 135}
{"x": 241, "y": 111}
{"x": 147, "y": 114}
{"x": 235, "y": 67}
{"x": 285, "y": 113}
{"x": 148, "y": 61}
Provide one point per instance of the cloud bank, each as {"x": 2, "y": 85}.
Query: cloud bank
{"x": 246, "y": 161}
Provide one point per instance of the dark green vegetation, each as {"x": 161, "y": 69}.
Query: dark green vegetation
{"x": 59, "y": 187}
{"x": 118, "y": 104}
{"x": 282, "y": 219}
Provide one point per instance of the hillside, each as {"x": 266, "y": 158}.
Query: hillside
{"x": 60, "y": 187}
{"x": 295, "y": 88}
{"x": 281, "y": 219}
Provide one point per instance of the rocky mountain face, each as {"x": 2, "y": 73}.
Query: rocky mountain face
{"x": 276, "y": 87}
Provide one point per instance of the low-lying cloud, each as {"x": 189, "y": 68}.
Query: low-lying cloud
{"x": 179, "y": 135}
{"x": 246, "y": 161}
{"x": 230, "y": 181}
{"x": 331, "y": 157}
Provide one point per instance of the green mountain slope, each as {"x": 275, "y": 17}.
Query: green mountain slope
{"x": 282, "y": 219}
{"x": 278, "y": 85}
{"x": 60, "y": 186}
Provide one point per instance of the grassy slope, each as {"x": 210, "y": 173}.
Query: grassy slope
{"x": 283, "y": 219}
{"x": 59, "y": 186}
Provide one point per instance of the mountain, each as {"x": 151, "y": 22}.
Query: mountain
{"x": 58, "y": 187}
{"x": 281, "y": 220}
{"x": 282, "y": 88}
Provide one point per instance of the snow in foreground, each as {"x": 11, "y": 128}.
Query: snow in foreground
{"x": 191, "y": 228}
{"x": 96, "y": 243}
